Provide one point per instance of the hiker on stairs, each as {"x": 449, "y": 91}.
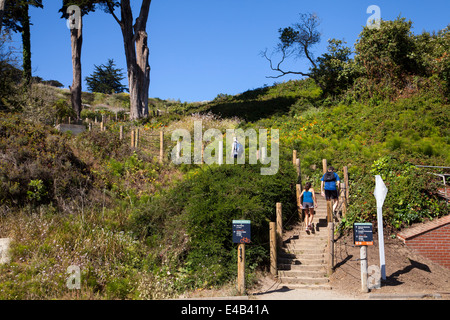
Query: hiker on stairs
{"x": 330, "y": 184}
{"x": 308, "y": 203}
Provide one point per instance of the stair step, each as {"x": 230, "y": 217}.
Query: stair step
{"x": 302, "y": 261}
{"x": 305, "y": 267}
{"x": 304, "y": 280}
{"x": 304, "y": 248}
{"x": 307, "y": 286}
{"x": 302, "y": 273}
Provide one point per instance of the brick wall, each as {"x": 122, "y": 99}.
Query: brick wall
{"x": 431, "y": 239}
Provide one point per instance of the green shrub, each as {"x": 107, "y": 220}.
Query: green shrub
{"x": 207, "y": 202}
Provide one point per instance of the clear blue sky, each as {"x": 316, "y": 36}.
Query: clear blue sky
{"x": 200, "y": 48}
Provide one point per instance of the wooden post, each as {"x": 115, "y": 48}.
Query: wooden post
{"x": 161, "y": 146}
{"x": 279, "y": 225}
{"x": 101, "y": 126}
{"x": 136, "y": 138}
{"x": 241, "y": 269}
{"x": 363, "y": 259}
{"x": 273, "y": 248}
{"x": 331, "y": 247}
{"x": 121, "y": 133}
{"x": 324, "y": 166}
{"x": 299, "y": 202}
{"x": 299, "y": 174}
{"x": 329, "y": 211}
{"x": 132, "y": 138}
{"x": 294, "y": 157}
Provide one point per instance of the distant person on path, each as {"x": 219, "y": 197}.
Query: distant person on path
{"x": 308, "y": 203}
{"x": 329, "y": 186}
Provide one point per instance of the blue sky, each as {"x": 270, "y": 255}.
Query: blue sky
{"x": 200, "y": 48}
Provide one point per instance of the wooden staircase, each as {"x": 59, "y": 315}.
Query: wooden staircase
{"x": 302, "y": 260}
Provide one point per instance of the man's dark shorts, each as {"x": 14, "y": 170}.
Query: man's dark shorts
{"x": 331, "y": 194}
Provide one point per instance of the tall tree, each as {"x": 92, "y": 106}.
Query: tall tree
{"x": 135, "y": 40}
{"x": 73, "y": 11}
{"x": 2, "y": 10}
{"x": 106, "y": 79}
{"x": 18, "y": 20}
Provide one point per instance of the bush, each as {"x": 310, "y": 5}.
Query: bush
{"x": 207, "y": 203}
{"x": 37, "y": 166}
{"x": 411, "y": 195}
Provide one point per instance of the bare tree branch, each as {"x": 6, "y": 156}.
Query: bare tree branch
{"x": 278, "y": 67}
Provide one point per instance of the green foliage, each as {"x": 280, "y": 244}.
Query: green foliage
{"x": 208, "y": 201}
{"x": 335, "y": 69}
{"x": 410, "y": 197}
{"x": 106, "y": 79}
{"x": 37, "y": 166}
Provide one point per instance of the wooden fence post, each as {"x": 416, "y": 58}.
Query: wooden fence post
{"x": 279, "y": 225}
{"x": 329, "y": 211}
{"x": 273, "y": 248}
{"x": 299, "y": 192}
{"x": 161, "y": 146}
{"x": 121, "y": 133}
{"x": 136, "y": 138}
{"x": 132, "y": 138}
{"x": 294, "y": 157}
{"x": 324, "y": 166}
{"x": 299, "y": 173}
{"x": 330, "y": 247}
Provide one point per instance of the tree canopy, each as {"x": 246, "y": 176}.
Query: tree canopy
{"x": 106, "y": 79}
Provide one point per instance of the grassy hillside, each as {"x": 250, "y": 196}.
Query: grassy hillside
{"x": 387, "y": 138}
{"x": 141, "y": 229}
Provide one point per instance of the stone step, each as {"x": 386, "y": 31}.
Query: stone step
{"x": 302, "y": 273}
{"x": 307, "y": 286}
{"x": 300, "y": 267}
{"x": 300, "y": 255}
{"x": 304, "y": 280}
{"x": 301, "y": 261}
{"x": 304, "y": 248}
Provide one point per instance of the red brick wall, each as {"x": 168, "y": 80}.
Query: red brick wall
{"x": 433, "y": 244}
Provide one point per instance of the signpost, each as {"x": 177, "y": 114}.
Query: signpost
{"x": 363, "y": 236}
{"x": 241, "y": 231}
{"x": 241, "y": 235}
{"x": 380, "y": 195}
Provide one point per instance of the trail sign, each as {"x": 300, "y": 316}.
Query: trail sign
{"x": 380, "y": 191}
{"x": 363, "y": 234}
{"x": 241, "y": 231}
{"x": 380, "y": 194}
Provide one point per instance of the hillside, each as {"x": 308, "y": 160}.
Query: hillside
{"x": 138, "y": 226}
{"x": 103, "y": 218}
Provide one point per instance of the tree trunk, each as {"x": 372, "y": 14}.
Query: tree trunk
{"x": 130, "y": 54}
{"x": 137, "y": 53}
{"x": 26, "y": 43}
{"x": 142, "y": 51}
{"x": 2, "y": 10}
{"x": 144, "y": 70}
{"x": 76, "y": 38}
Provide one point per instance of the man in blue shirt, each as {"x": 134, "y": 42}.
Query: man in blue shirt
{"x": 329, "y": 186}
